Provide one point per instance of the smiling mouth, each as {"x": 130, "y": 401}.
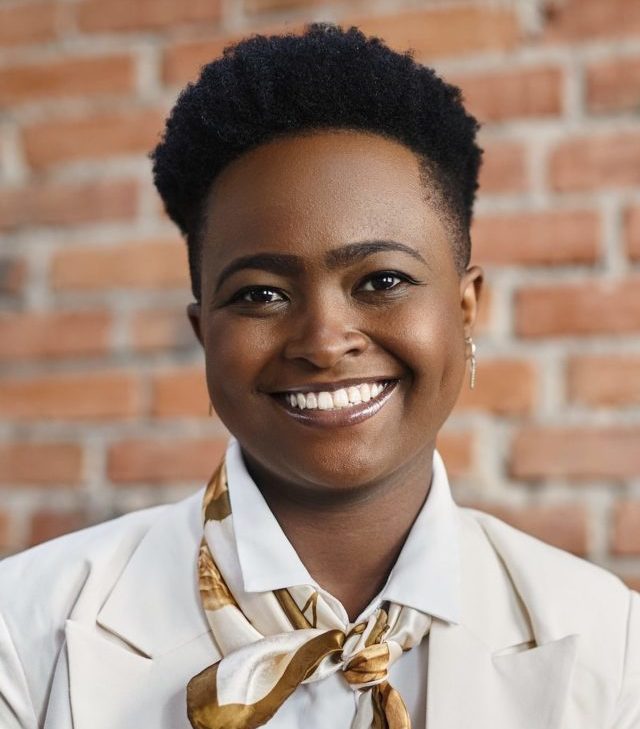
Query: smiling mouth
{"x": 345, "y": 406}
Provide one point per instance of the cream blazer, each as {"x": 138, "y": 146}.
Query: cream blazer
{"x": 102, "y": 629}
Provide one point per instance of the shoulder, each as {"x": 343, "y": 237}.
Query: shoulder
{"x": 563, "y": 594}
{"x": 68, "y": 577}
{"x": 53, "y": 574}
{"x": 538, "y": 566}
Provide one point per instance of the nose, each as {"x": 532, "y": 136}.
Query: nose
{"x": 323, "y": 334}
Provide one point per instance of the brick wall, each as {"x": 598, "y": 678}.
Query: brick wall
{"x": 102, "y": 396}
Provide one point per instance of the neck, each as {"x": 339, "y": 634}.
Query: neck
{"x": 349, "y": 543}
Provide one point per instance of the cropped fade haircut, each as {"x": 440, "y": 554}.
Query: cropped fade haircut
{"x": 325, "y": 78}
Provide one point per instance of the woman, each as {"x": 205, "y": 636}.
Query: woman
{"x": 324, "y": 578}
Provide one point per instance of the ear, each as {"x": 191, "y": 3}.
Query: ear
{"x": 470, "y": 291}
{"x": 193, "y": 312}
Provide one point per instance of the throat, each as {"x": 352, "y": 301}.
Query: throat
{"x": 350, "y": 552}
{"x": 354, "y": 585}
{"x": 349, "y": 545}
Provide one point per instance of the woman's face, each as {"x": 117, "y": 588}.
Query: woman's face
{"x": 327, "y": 266}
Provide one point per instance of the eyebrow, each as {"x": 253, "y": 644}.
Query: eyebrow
{"x": 287, "y": 264}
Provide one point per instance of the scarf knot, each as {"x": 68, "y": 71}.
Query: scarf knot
{"x": 273, "y": 642}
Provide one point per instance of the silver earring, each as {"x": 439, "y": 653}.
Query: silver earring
{"x": 472, "y": 356}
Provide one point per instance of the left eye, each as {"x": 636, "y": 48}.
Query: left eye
{"x": 382, "y": 282}
{"x": 259, "y": 295}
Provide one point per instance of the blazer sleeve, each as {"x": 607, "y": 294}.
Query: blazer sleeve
{"x": 16, "y": 709}
{"x": 628, "y": 709}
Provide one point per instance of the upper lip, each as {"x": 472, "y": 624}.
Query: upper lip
{"x": 333, "y": 386}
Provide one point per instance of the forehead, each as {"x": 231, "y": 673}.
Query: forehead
{"x": 319, "y": 190}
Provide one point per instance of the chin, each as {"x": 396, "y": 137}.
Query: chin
{"x": 339, "y": 472}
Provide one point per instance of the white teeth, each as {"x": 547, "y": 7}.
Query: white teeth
{"x": 342, "y": 398}
{"x": 325, "y": 401}
{"x": 354, "y": 395}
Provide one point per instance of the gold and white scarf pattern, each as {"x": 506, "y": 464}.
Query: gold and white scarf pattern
{"x": 272, "y": 642}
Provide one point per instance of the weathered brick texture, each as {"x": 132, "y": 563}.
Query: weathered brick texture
{"x": 43, "y": 204}
{"x": 66, "y": 78}
{"x": 25, "y": 336}
{"x": 103, "y": 400}
{"x": 50, "y": 464}
{"x": 140, "y": 264}
{"x": 88, "y": 396}
{"x": 22, "y": 23}
{"x": 93, "y": 136}
{"x": 162, "y": 460}
{"x": 123, "y": 15}
{"x": 590, "y": 307}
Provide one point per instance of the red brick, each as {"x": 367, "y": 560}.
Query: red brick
{"x": 456, "y": 450}
{"x": 147, "y": 264}
{"x": 626, "y": 528}
{"x": 92, "y": 137}
{"x": 632, "y": 233}
{"x": 41, "y": 463}
{"x": 576, "y": 453}
{"x": 444, "y": 31}
{"x": 181, "y": 393}
{"x": 503, "y": 168}
{"x": 613, "y": 85}
{"x": 585, "y": 19}
{"x": 5, "y": 541}
{"x": 161, "y": 329}
{"x": 430, "y": 32}
{"x": 505, "y": 387}
{"x": 67, "y": 78}
{"x": 81, "y": 396}
{"x": 608, "y": 380}
{"x": 540, "y": 238}
{"x": 632, "y": 581}
{"x": 124, "y": 15}
{"x": 54, "y": 334}
{"x": 590, "y": 163}
{"x": 265, "y": 6}
{"x": 22, "y": 23}
{"x": 590, "y": 307}
{"x": 63, "y": 203}
{"x": 507, "y": 94}
{"x": 49, "y": 523}
{"x": 564, "y": 526}
{"x": 13, "y": 274}
{"x": 183, "y": 59}
{"x": 164, "y": 460}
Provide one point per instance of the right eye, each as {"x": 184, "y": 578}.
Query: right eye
{"x": 257, "y": 295}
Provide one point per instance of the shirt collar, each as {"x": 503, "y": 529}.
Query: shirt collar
{"x": 426, "y": 575}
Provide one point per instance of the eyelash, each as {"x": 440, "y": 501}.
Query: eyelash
{"x": 403, "y": 278}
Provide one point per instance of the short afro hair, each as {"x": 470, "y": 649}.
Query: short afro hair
{"x": 325, "y": 78}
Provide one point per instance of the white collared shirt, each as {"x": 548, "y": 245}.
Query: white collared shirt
{"x": 426, "y": 576}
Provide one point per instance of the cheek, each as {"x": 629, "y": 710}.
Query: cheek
{"x": 234, "y": 356}
{"x": 430, "y": 337}
{"x": 430, "y": 342}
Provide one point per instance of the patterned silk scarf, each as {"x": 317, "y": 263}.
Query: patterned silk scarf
{"x": 272, "y": 642}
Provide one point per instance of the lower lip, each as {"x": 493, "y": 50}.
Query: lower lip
{"x": 342, "y": 416}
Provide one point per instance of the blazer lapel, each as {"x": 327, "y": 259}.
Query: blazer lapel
{"x": 150, "y": 636}
{"x": 471, "y": 686}
{"x": 501, "y": 667}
